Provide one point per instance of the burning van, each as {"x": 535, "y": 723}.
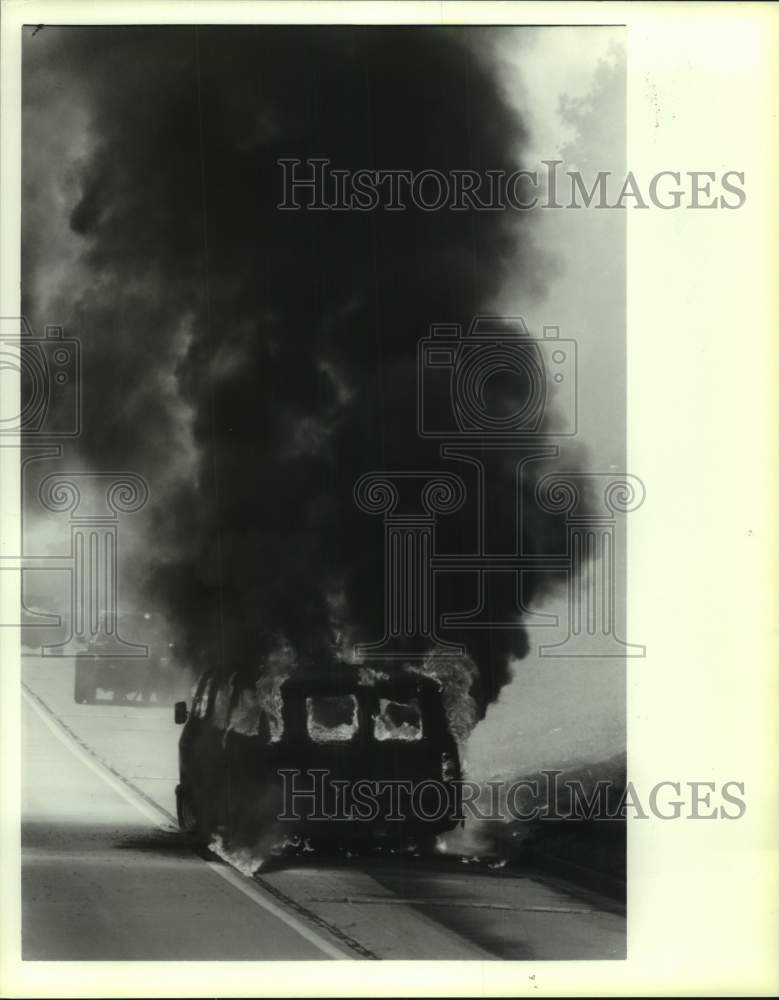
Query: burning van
{"x": 349, "y": 758}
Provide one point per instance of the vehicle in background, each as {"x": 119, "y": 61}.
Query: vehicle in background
{"x": 149, "y": 679}
{"x": 235, "y": 745}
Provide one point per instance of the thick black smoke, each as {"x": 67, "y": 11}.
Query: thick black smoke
{"x": 289, "y": 338}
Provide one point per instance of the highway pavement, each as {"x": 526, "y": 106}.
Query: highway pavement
{"x": 106, "y": 875}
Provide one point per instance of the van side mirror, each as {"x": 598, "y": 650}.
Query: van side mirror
{"x": 180, "y": 714}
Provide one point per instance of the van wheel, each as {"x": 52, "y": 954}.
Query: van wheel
{"x": 185, "y": 812}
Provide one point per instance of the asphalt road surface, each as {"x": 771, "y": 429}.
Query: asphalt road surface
{"x": 106, "y": 875}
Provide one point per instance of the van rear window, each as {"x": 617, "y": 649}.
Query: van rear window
{"x": 332, "y": 719}
{"x": 398, "y": 720}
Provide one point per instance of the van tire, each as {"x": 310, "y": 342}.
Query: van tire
{"x": 185, "y": 812}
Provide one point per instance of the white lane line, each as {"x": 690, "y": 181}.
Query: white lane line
{"x": 161, "y": 820}
{"x": 445, "y": 901}
{"x": 241, "y": 883}
{"x": 157, "y": 817}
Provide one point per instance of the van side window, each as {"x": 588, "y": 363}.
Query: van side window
{"x": 248, "y": 716}
{"x": 221, "y": 708}
{"x": 202, "y": 697}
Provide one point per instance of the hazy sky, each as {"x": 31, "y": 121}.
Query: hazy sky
{"x": 570, "y": 85}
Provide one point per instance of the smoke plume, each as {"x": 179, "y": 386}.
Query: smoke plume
{"x": 252, "y": 364}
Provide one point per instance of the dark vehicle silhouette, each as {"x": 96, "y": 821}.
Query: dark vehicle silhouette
{"x": 103, "y": 677}
{"x": 238, "y": 762}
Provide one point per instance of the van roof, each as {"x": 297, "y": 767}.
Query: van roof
{"x": 398, "y": 683}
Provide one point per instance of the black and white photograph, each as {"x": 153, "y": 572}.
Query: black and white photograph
{"x": 319, "y": 415}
